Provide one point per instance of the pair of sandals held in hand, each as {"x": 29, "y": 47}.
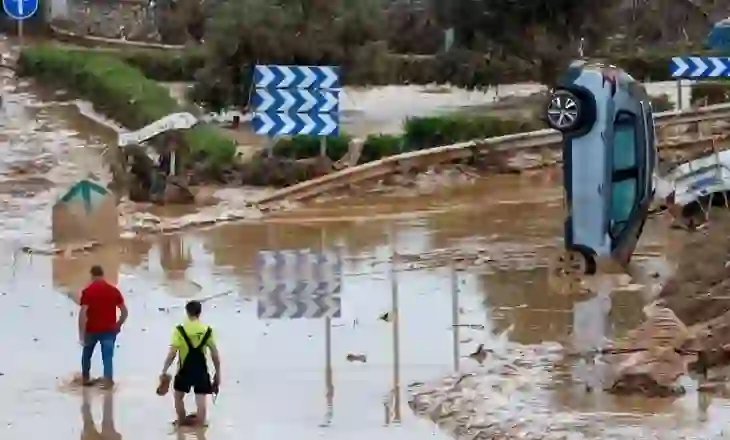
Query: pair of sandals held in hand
{"x": 163, "y": 386}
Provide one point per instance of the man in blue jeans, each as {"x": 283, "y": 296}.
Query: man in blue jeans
{"x": 98, "y": 324}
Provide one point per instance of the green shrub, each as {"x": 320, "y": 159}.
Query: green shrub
{"x": 419, "y": 133}
{"x": 435, "y": 131}
{"x": 378, "y": 146}
{"x": 164, "y": 65}
{"x": 121, "y": 91}
{"x": 304, "y": 147}
{"x": 157, "y": 64}
{"x": 710, "y": 93}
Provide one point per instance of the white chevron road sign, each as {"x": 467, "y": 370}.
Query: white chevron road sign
{"x": 700, "y": 66}
{"x": 296, "y": 77}
{"x": 289, "y": 124}
{"x": 296, "y": 100}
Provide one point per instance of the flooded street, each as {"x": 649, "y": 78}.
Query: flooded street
{"x": 275, "y": 380}
{"x": 348, "y": 377}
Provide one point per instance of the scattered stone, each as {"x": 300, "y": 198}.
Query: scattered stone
{"x": 356, "y": 358}
{"x": 650, "y": 363}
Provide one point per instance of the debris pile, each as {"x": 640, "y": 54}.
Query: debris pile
{"x": 688, "y": 327}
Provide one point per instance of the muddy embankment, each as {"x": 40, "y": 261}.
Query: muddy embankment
{"x": 681, "y": 349}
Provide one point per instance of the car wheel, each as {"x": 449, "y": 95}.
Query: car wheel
{"x": 564, "y": 111}
{"x": 572, "y": 262}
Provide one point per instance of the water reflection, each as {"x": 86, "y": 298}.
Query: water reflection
{"x": 71, "y": 271}
{"x": 89, "y": 429}
{"x": 174, "y": 256}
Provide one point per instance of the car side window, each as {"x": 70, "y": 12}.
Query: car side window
{"x": 624, "y": 181}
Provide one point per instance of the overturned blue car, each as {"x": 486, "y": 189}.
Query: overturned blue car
{"x": 609, "y": 158}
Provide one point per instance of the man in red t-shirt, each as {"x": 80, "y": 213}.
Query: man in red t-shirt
{"x": 98, "y": 323}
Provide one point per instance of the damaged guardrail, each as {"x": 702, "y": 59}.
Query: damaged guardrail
{"x": 418, "y": 160}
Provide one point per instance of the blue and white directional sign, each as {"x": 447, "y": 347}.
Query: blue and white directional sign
{"x": 298, "y": 101}
{"x": 20, "y": 9}
{"x": 700, "y": 67}
{"x": 287, "y": 124}
{"x": 297, "y": 77}
{"x": 292, "y": 100}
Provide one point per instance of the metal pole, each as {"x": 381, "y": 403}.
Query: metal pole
{"x": 455, "y": 313}
{"x": 323, "y": 146}
{"x": 328, "y": 376}
{"x": 20, "y": 32}
{"x": 680, "y": 104}
{"x": 270, "y": 142}
{"x": 396, "y": 325}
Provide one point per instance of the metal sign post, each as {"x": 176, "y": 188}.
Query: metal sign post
{"x": 328, "y": 374}
{"x": 20, "y": 10}
{"x": 296, "y": 100}
{"x": 455, "y": 313}
{"x": 323, "y": 147}
{"x": 396, "y": 328}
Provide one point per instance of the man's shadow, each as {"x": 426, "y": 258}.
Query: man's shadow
{"x": 108, "y": 430}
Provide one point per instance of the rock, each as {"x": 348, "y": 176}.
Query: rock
{"x": 651, "y": 375}
{"x": 651, "y": 364}
{"x": 176, "y": 192}
{"x": 356, "y": 358}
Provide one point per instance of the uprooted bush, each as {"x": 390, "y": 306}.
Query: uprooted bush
{"x": 282, "y": 171}
{"x": 120, "y": 91}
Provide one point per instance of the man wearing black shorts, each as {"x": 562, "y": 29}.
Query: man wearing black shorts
{"x": 190, "y": 341}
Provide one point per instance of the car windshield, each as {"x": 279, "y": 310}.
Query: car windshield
{"x": 625, "y": 177}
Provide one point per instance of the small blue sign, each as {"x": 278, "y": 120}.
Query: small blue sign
{"x": 700, "y": 67}
{"x": 20, "y": 9}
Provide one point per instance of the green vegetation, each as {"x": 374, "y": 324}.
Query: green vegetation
{"x": 458, "y": 68}
{"x": 710, "y": 92}
{"x": 120, "y": 90}
{"x": 419, "y": 134}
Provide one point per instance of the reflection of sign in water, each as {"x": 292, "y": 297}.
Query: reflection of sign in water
{"x": 174, "y": 121}
{"x": 299, "y": 283}
{"x": 86, "y": 193}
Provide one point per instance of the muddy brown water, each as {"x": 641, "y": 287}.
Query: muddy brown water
{"x": 275, "y": 382}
